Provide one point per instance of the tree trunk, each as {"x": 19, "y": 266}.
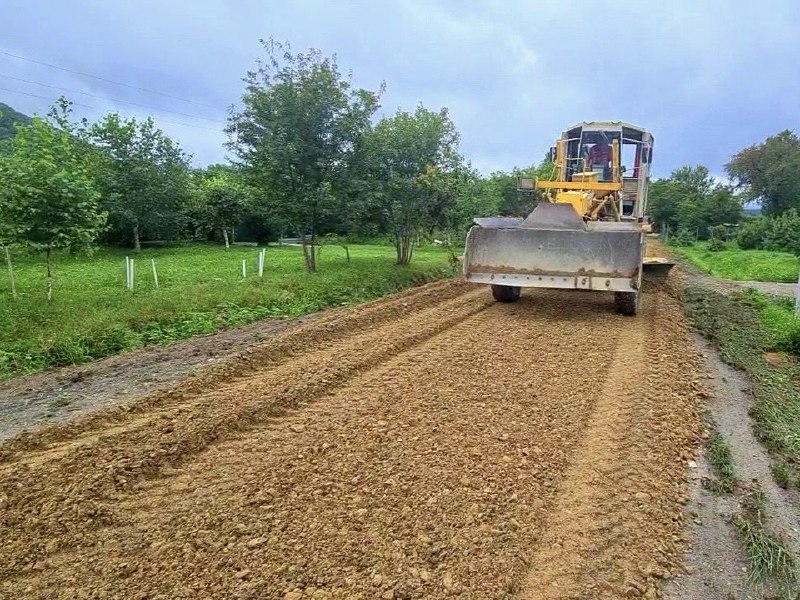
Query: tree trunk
{"x": 397, "y": 248}
{"x": 404, "y": 243}
{"x": 49, "y": 277}
{"x": 309, "y": 253}
{"x": 10, "y": 273}
{"x": 225, "y": 237}
{"x": 137, "y": 246}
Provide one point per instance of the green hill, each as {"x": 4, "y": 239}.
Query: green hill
{"x": 8, "y": 117}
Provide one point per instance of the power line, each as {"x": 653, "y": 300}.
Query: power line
{"x": 95, "y": 108}
{"x": 71, "y": 91}
{"x": 38, "y": 96}
{"x": 127, "y": 85}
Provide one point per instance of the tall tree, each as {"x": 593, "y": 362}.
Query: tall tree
{"x": 410, "y": 161}
{"x": 296, "y": 133}
{"x": 770, "y": 172}
{"x": 48, "y": 193}
{"x": 143, "y": 176}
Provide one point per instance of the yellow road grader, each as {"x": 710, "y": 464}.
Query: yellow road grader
{"x": 588, "y": 232}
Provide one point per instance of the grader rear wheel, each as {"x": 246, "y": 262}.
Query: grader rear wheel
{"x": 505, "y": 293}
{"x": 627, "y": 303}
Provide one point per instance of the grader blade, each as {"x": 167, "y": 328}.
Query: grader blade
{"x": 555, "y": 248}
{"x": 657, "y": 267}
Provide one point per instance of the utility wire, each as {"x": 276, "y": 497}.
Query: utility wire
{"x": 127, "y": 85}
{"x": 71, "y": 91}
{"x": 38, "y": 96}
{"x": 95, "y": 108}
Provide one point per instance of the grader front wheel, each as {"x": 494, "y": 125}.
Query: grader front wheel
{"x": 505, "y": 293}
{"x": 627, "y": 303}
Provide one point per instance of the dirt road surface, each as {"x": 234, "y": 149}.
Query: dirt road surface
{"x": 430, "y": 445}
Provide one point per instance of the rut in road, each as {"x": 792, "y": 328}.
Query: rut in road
{"x": 429, "y": 445}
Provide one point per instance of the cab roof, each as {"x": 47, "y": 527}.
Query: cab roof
{"x": 628, "y": 130}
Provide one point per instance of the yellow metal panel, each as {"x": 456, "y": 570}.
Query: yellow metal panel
{"x": 579, "y": 200}
{"x": 561, "y": 163}
{"x": 586, "y": 176}
{"x": 578, "y": 185}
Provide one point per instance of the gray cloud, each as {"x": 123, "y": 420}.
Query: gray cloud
{"x": 708, "y": 78}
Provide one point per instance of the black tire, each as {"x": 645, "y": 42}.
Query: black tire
{"x": 627, "y": 303}
{"x": 505, "y": 293}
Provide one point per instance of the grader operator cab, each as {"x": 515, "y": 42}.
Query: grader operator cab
{"x": 587, "y": 233}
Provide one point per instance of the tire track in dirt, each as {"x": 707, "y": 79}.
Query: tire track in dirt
{"x": 432, "y": 463}
{"x": 611, "y": 537}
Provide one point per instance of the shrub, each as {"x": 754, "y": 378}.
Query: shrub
{"x": 718, "y": 235}
{"x": 780, "y": 234}
{"x": 719, "y": 232}
{"x": 752, "y": 233}
{"x": 682, "y": 238}
{"x": 792, "y": 339}
{"x": 783, "y": 233}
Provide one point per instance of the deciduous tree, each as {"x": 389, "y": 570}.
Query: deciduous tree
{"x": 691, "y": 200}
{"x": 770, "y": 172}
{"x": 296, "y": 134}
{"x": 410, "y": 161}
{"x": 226, "y": 201}
{"x": 47, "y": 193}
{"x": 143, "y": 176}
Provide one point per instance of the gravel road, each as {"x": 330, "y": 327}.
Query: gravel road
{"x": 431, "y": 445}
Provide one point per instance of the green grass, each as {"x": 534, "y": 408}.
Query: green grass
{"x": 742, "y": 265}
{"x": 201, "y": 291}
{"x": 779, "y": 321}
{"x": 719, "y": 455}
{"x": 768, "y": 555}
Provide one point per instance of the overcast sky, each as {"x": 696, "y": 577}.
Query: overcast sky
{"x": 706, "y": 77}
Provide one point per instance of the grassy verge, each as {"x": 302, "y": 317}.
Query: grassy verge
{"x": 719, "y": 455}
{"x": 742, "y": 265}
{"x": 734, "y": 324}
{"x": 769, "y": 558}
{"x": 771, "y": 562}
{"x": 779, "y": 321}
{"x": 201, "y": 290}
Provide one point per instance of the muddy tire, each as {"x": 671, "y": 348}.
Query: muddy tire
{"x": 627, "y": 303}
{"x": 505, "y": 293}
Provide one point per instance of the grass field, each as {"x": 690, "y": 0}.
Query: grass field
{"x": 201, "y": 290}
{"x": 743, "y": 265}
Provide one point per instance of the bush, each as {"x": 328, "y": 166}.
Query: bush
{"x": 792, "y": 339}
{"x": 752, "y": 233}
{"x": 779, "y": 234}
{"x": 715, "y": 245}
{"x": 682, "y": 238}
{"x": 718, "y": 234}
{"x": 784, "y": 233}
